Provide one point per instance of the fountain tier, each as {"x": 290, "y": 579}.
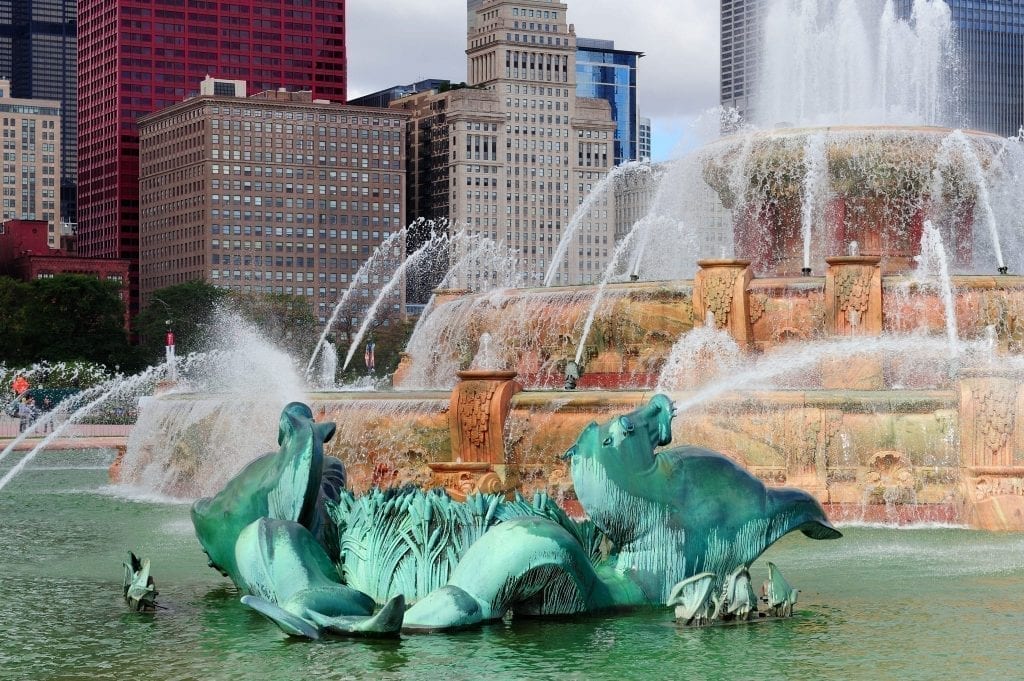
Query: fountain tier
{"x": 800, "y": 194}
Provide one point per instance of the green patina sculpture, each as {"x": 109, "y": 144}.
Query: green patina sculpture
{"x": 139, "y": 589}
{"x": 679, "y": 528}
{"x": 268, "y": 530}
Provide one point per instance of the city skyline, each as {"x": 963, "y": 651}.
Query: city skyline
{"x": 678, "y": 78}
{"x": 156, "y": 60}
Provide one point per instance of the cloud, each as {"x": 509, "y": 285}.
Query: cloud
{"x": 403, "y": 41}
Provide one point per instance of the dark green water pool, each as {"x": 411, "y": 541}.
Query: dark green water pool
{"x": 878, "y": 604}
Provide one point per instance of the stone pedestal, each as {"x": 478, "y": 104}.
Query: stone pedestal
{"x": 720, "y": 288}
{"x": 477, "y": 414}
{"x": 853, "y": 307}
{"x": 853, "y": 296}
{"x": 402, "y": 370}
{"x": 992, "y": 450}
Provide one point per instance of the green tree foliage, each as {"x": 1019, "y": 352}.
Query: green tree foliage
{"x": 188, "y": 306}
{"x": 74, "y": 317}
{"x": 390, "y": 342}
{"x": 14, "y": 341}
{"x": 284, "y": 320}
{"x": 63, "y": 318}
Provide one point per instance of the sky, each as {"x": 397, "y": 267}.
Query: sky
{"x": 396, "y": 42}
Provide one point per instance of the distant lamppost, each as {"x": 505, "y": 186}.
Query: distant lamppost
{"x": 172, "y": 364}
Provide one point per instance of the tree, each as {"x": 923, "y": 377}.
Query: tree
{"x": 286, "y": 321}
{"x": 75, "y": 317}
{"x": 14, "y": 347}
{"x": 188, "y": 306}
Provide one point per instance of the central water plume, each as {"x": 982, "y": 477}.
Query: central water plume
{"x": 815, "y": 187}
{"x": 932, "y": 269}
{"x": 829, "y": 62}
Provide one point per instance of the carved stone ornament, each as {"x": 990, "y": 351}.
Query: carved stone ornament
{"x": 995, "y": 414}
{"x": 477, "y": 414}
{"x": 718, "y": 294}
{"x": 758, "y": 303}
{"x": 853, "y": 288}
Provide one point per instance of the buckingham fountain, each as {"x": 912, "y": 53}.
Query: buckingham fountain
{"x": 852, "y": 357}
{"x": 860, "y": 338}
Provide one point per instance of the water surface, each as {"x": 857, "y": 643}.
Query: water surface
{"x": 879, "y": 604}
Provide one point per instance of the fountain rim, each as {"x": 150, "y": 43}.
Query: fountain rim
{"x": 785, "y": 131}
{"x": 486, "y": 374}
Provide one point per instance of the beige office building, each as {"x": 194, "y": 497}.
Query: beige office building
{"x": 31, "y": 170}
{"x": 273, "y": 193}
{"x": 513, "y": 155}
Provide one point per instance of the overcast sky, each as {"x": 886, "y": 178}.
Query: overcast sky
{"x": 392, "y": 42}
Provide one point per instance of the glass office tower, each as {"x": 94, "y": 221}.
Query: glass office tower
{"x": 39, "y": 53}
{"x": 602, "y": 72}
{"x": 742, "y": 35}
{"x": 991, "y": 38}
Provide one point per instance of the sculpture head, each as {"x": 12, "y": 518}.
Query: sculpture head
{"x": 284, "y": 485}
{"x": 627, "y": 441}
{"x": 612, "y": 458}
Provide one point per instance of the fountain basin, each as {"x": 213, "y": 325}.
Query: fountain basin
{"x": 637, "y": 325}
{"x": 899, "y": 456}
{"x": 878, "y": 186}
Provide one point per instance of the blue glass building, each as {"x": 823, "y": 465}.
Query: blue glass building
{"x": 991, "y": 38}
{"x": 602, "y": 72}
{"x": 383, "y": 98}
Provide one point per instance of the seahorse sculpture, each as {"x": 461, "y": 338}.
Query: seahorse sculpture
{"x": 681, "y": 527}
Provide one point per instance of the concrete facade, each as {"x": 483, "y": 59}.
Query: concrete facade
{"x": 39, "y": 52}
{"x": 31, "y": 165}
{"x": 514, "y": 155}
{"x": 274, "y": 193}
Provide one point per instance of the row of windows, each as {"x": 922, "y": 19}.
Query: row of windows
{"x": 307, "y": 116}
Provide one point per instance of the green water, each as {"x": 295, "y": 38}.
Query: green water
{"x": 878, "y": 604}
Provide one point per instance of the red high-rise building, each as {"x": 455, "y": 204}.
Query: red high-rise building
{"x": 138, "y": 56}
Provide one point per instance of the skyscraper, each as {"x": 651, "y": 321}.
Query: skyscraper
{"x": 38, "y": 53}
{"x": 990, "y": 35}
{"x": 325, "y": 188}
{"x": 603, "y": 72}
{"x": 513, "y": 155}
{"x": 137, "y": 57}
{"x": 742, "y": 31}
{"x": 31, "y": 168}
{"x": 991, "y": 38}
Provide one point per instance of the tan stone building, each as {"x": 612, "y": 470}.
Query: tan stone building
{"x": 31, "y": 167}
{"x": 273, "y": 193}
{"x": 635, "y": 193}
{"x": 513, "y": 155}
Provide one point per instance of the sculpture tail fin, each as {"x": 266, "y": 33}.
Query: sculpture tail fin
{"x": 804, "y": 513}
{"x": 291, "y": 624}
